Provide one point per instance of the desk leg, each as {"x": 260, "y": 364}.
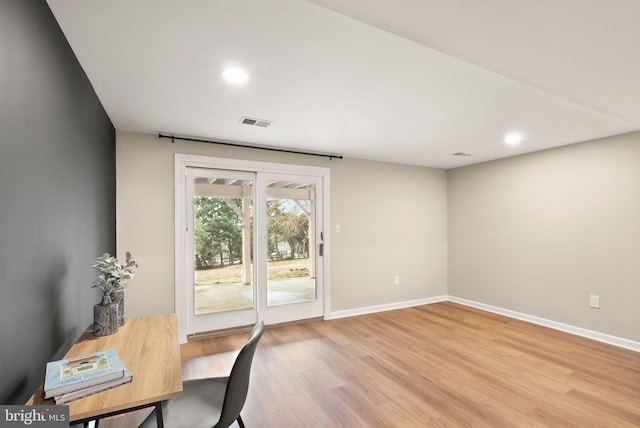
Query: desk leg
{"x": 158, "y": 411}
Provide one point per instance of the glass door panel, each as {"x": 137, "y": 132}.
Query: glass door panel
{"x": 290, "y": 266}
{"x": 221, "y": 220}
{"x": 291, "y": 260}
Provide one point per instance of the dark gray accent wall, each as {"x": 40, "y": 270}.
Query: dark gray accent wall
{"x": 57, "y": 195}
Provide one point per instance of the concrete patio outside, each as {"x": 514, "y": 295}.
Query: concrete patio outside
{"x": 232, "y": 296}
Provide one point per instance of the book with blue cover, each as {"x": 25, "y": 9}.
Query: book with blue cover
{"x": 73, "y": 374}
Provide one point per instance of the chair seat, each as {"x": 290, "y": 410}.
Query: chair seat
{"x": 199, "y": 405}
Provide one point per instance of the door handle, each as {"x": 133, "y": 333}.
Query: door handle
{"x": 321, "y": 249}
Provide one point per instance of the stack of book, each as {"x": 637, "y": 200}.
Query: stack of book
{"x": 72, "y": 378}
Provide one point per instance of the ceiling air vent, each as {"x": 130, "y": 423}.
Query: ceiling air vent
{"x": 461, "y": 154}
{"x": 255, "y": 122}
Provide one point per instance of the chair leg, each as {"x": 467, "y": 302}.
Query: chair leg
{"x": 240, "y": 421}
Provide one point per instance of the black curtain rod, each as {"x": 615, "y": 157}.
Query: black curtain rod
{"x": 246, "y": 146}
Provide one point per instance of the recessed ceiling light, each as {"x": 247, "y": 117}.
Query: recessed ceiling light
{"x": 235, "y": 76}
{"x": 513, "y": 139}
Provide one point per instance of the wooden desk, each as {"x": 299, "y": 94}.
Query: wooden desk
{"x": 149, "y": 349}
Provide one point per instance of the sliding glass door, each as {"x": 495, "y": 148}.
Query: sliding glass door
{"x": 253, "y": 248}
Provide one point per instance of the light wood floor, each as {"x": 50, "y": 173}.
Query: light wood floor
{"x": 435, "y": 365}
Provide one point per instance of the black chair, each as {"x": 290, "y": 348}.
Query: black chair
{"x": 212, "y": 402}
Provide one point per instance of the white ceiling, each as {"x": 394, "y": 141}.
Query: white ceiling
{"x": 408, "y": 81}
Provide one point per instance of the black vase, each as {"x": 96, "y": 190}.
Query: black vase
{"x": 105, "y": 317}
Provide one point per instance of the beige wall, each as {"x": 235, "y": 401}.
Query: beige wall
{"x": 393, "y": 220}
{"x": 535, "y": 234}
{"x": 539, "y": 233}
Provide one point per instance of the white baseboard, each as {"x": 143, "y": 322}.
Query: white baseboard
{"x": 578, "y": 331}
{"x": 386, "y": 307}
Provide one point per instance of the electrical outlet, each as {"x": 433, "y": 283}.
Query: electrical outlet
{"x": 338, "y": 228}
{"x": 594, "y": 301}
{"x": 396, "y": 280}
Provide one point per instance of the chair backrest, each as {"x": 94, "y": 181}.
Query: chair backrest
{"x": 238, "y": 384}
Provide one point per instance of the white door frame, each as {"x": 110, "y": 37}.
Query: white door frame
{"x": 182, "y": 162}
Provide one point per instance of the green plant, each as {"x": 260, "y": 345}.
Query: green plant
{"x": 113, "y": 274}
